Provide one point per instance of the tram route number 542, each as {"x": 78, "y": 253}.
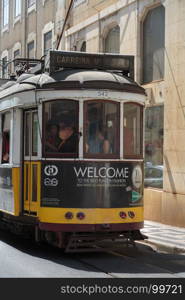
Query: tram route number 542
{"x": 103, "y": 93}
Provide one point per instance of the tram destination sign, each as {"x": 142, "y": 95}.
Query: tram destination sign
{"x": 57, "y": 60}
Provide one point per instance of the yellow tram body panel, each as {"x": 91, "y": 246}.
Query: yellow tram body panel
{"x": 32, "y": 186}
{"x": 92, "y": 216}
{"x": 57, "y": 215}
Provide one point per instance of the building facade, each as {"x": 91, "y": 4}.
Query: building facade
{"x": 151, "y": 30}
{"x": 28, "y": 29}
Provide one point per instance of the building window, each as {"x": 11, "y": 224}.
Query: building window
{"x": 78, "y": 2}
{"x": 47, "y": 42}
{"x": 83, "y": 47}
{"x": 31, "y": 50}
{"x": 6, "y": 118}
{"x": 101, "y": 137}
{"x": 16, "y": 53}
{"x": 31, "y": 2}
{"x": 154, "y": 117}
{"x": 61, "y": 134}
{"x": 112, "y": 41}
{"x": 5, "y": 12}
{"x": 153, "y": 44}
{"x": 133, "y": 130}
{"x": 17, "y": 8}
{"x": 4, "y": 67}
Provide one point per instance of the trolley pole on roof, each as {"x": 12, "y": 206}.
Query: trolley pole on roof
{"x": 64, "y": 25}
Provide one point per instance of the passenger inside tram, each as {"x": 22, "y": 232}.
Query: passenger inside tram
{"x": 68, "y": 137}
{"x": 97, "y": 140}
{"x": 52, "y": 139}
{"x": 6, "y": 147}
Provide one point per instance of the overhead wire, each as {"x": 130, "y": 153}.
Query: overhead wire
{"x": 64, "y": 24}
{"x": 58, "y": 43}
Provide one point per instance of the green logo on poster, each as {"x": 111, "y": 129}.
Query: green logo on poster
{"x": 136, "y": 196}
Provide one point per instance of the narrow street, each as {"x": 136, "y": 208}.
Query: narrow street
{"x": 24, "y": 259}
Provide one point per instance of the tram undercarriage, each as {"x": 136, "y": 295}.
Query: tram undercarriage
{"x": 71, "y": 242}
{"x": 94, "y": 241}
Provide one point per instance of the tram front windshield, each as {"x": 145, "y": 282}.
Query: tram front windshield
{"x": 102, "y": 128}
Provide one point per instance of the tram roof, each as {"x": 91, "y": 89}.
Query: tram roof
{"x": 72, "y": 79}
{"x": 74, "y": 70}
{"x": 77, "y": 79}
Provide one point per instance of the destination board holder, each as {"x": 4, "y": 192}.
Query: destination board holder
{"x": 57, "y": 60}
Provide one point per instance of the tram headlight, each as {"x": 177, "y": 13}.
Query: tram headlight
{"x": 122, "y": 214}
{"x": 80, "y": 215}
{"x": 131, "y": 214}
{"x": 69, "y": 215}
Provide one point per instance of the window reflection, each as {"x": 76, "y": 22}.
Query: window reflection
{"x": 102, "y": 128}
{"x": 6, "y": 137}
{"x": 154, "y": 44}
{"x": 61, "y": 128}
{"x": 34, "y": 134}
{"x": 154, "y": 118}
{"x": 132, "y": 130}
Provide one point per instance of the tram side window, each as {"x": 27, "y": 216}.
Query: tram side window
{"x": 5, "y": 137}
{"x": 133, "y": 130}
{"x": 101, "y": 129}
{"x": 61, "y": 135}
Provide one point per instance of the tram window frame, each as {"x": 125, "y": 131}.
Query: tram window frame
{"x": 30, "y": 135}
{"x": 140, "y": 155}
{"x": 117, "y": 138}
{"x": 27, "y": 132}
{"x": 35, "y": 132}
{"x": 3, "y": 116}
{"x": 61, "y": 155}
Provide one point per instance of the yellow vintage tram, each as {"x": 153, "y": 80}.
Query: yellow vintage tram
{"x": 71, "y": 150}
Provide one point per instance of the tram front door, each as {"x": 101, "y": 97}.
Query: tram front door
{"x": 31, "y": 164}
